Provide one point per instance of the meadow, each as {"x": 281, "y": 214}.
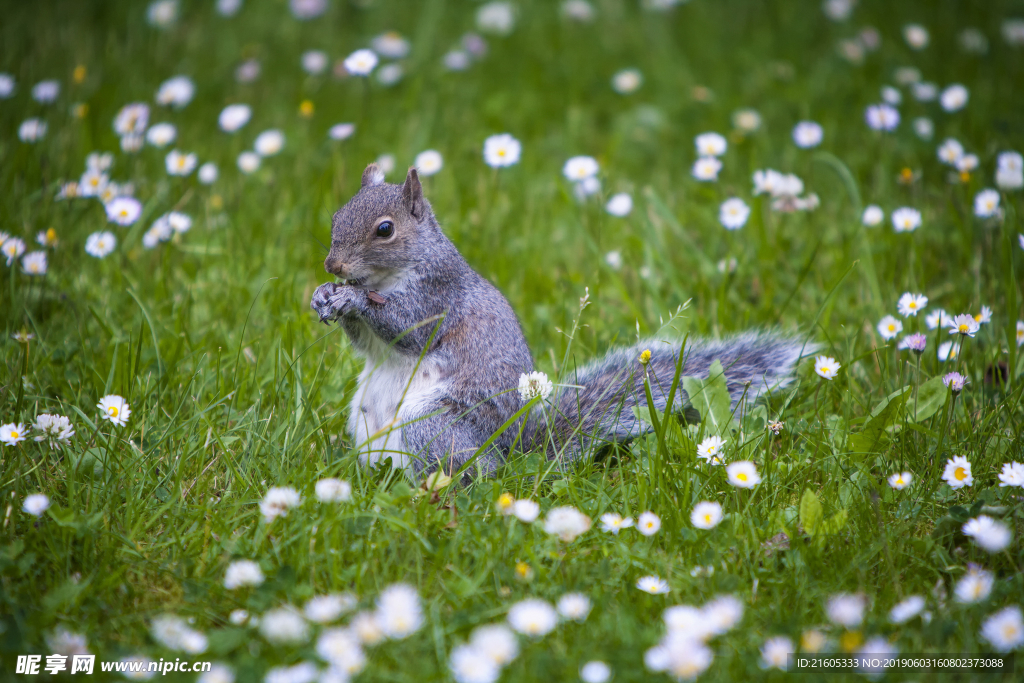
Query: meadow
{"x": 862, "y": 188}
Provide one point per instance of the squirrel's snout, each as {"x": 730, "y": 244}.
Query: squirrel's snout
{"x": 334, "y": 266}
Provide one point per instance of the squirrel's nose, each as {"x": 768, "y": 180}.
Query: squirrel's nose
{"x": 334, "y": 266}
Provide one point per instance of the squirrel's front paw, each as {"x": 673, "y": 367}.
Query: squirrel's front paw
{"x": 330, "y": 301}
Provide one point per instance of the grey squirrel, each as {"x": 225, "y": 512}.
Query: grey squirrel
{"x": 444, "y": 350}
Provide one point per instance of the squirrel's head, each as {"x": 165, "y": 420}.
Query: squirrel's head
{"x": 381, "y": 232}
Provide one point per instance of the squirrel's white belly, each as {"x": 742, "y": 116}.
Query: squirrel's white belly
{"x": 388, "y": 396}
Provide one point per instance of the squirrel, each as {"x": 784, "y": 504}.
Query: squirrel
{"x": 444, "y": 351}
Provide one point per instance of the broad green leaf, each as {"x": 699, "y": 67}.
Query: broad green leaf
{"x": 810, "y": 512}
{"x": 835, "y": 523}
{"x": 711, "y": 399}
{"x": 930, "y": 397}
{"x": 872, "y": 438}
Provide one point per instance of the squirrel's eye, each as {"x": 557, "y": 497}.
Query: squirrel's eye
{"x": 386, "y": 229}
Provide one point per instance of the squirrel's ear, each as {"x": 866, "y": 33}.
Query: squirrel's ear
{"x": 412, "y": 192}
{"x": 372, "y": 175}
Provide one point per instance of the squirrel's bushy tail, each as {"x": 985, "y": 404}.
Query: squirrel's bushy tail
{"x": 599, "y": 408}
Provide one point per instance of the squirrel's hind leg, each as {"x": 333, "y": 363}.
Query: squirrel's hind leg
{"x": 445, "y": 443}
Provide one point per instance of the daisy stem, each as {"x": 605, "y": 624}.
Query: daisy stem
{"x": 917, "y": 384}
{"x": 945, "y": 427}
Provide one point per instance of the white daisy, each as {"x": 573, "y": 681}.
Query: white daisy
{"x": 573, "y": 606}
{"x": 566, "y": 522}
{"x": 132, "y": 119}
{"x": 161, "y": 134}
{"x": 248, "y": 162}
{"x": 180, "y": 163}
{"x": 341, "y": 131}
{"x": 208, "y": 173}
{"x": 399, "y": 612}
{"x": 331, "y": 490}
{"x": 278, "y": 501}
{"x": 100, "y": 244}
{"x": 314, "y": 61}
{"x": 361, "y": 62}
{"x": 916, "y": 36}
{"x": 503, "y": 150}
{"x": 176, "y": 92}
{"x": 742, "y": 474}
{"x": 986, "y": 203}
{"x": 34, "y": 263}
{"x": 906, "y": 219}
{"x": 115, "y": 409}
{"x": 46, "y": 92}
{"x": 532, "y": 617}
{"x": 989, "y": 534}
{"x": 525, "y": 510}
{"x": 889, "y": 327}
{"x": 36, "y": 504}
{"x": 242, "y": 573}
{"x": 710, "y": 449}
{"x": 733, "y": 213}
{"x": 900, "y": 480}
{"x": 269, "y": 142}
{"x": 710, "y": 145}
{"x": 906, "y": 610}
{"x": 123, "y": 210}
{"x": 233, "y": 117}
{"x": 497, "y": 641}
{"x": 958, "y": 472}
{"x": 872, "y": 216}
{"x": 429, "y": 162}
{"x": 12, "y": 434}
{"x": 580, "y": 168}
{"x": 954, "y": 98}
{"x": 619, "y": 205}
{"x": 613, "y": 523}
{"x": 706, "y": 169}
{"x": 653, "y": 584}
{"x": 32, "y": 130}
{"x": 648, "y": 523}
{"x": 775, "y": 653}
{"x": 706, "y": 515}
{"x": 826, "y": 367}
{"x": 807, "y": 134}
{"x": 846, "y": 609}
{"x": 627, "y": 81}
{"x": 974, "y": 586}
{"x": 1004, "y": 629}
{"x": 1012, "y": 475}
{"x": 911, "y": 304}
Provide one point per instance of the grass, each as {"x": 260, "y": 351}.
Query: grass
{"x": 234, "y": 388}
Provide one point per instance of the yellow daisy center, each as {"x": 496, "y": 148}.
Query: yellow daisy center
{"x": 892, "y": 328}
{"x": 14, "y": 434}
{"x": 742, "y": 476}
{"x": 707, "y": 519}
{"x": 963, "y": 328}
{"x": 960, "y": 473}
{"x": 112, "y": 411}
{"x": 501, "y": 152}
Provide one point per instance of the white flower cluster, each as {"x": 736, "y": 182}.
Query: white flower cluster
{"x": 785, "y": 190}
{"x": 683, "y": 651}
